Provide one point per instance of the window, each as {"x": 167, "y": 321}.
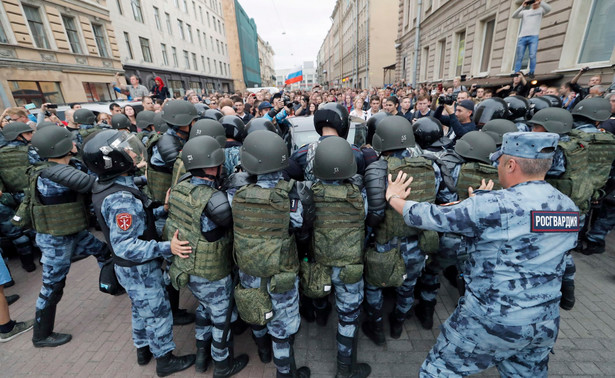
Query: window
{"x": 72, "y": 33}
{"x": 119, "y": 6}
{"x": 219, "y": 27}
{"x": 599, "y": 39}
{"x": 208, "y": 65}
{"x": 176, "y": 2}
{"x": 223, "y": 30}
{"x": 215, "y": 66}
{"x": 157, "y": 19}
{"x": 205, "y": 40}
{"x": 98, "y": 92}
{"x": 136, "y": 10}
{"x": 442, "y": 53}
{"x": 203, "y": 62}
{"x": 180, "y": 25}
{"x": 3, "y": 37}
{"x": 38, "y": 92}
{"x": 424, "y": 63}
{"x": 189, "y": 28}
{"x": 36, "y": 27}
{"x": 101, "y": 42}
{"x": 225, "y": 70}
{"x": 168, "y": 22}
{"x": 208, "y": 22}
{"x": 461, "y": 51}
{"x": 218, "y": 45}
{"x": 201, "y": 13}
{"x": 184, "y": 6}
{"x": 174, "y": 51}
{"x": 147, "y": 54}
{"x": 220, "y": 68}
{"x": 165, "y": 57}
{"x": 128, "y": 46}
{"x": 195, "y": 66}
{"x": 211, "y": 39}
{"x": 186, "y": 59}
{"x": 194, "y": 8}
{"x": 198, "y": 36}
{"x": 489, "y": 28}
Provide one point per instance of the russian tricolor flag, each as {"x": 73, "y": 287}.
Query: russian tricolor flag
{"x": 294, "y": 77}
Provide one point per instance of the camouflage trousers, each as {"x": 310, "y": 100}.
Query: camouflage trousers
{"x": 58, "y": 252}
{"x": 214, "y": 300}
{"x": 152, "y": 321}
{"x": 468, "y": 344}
{"x": 603, "y": 224}
{"x": 285, "y": 322}
{"x": 445, "y": 257}
{"x": 414, "y": 259}
{"x": 348, "y": 300}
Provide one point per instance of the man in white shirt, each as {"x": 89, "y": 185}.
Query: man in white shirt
{"x": 530, "y": 13}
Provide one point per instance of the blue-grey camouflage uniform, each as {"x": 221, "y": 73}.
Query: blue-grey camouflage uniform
{"x": 231, "y": 156}
{"x": 152, "y": 320}
{"x": 156, "y": 159}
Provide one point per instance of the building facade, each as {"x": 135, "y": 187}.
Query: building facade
{"x": 310, "y": 76}
{"x": 359, "y": 45}
{"x": 182, "y": 41}
{"x": 248, "y": 45}
{"x": 265, "y": 54}
{"x": 478, "y": 39}
{"x": 56, "y": 51}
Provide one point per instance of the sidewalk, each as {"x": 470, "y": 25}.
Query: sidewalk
{"x": 102, "y": 344}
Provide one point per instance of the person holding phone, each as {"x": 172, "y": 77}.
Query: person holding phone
{"x": 530, "y": 13}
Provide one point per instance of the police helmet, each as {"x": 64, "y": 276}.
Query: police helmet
{"x": 214, "y": 114}
{"x": 44, "y": 124}
{"x": 537, "y": 104}
{"x": 491, "y": 108}
{"x": 178, "y": 113}
{"x": 52, "y": 141}
{"x": 260, "y": 124}
{"x": 496, "y": 128}
{"x": 202, "y": 152}
{"x": 476, "y": 145}
{"x": 200, "y": 109}
{"x": 234, "y": 127}
{"x": 372, "y": 124}
{"x": 428, "y": 132}
{"x": 332, "y": 115}
{"x": 554, "y": 120}
{"x": 120, "y": 122}
{"x": 519, "y": 108}
{"x": 334, "y": 160}
{"x": 263, "y": 152}
{"x": 145, "y": 119}
{"x": 159, "y": 124}
{"x": 110, "y": 153}
{"x": 211, "y": 128}
{"x": 84, "y": 117}
{"x": 15, "y": 129}
{"x": 393, "y": 133}
{"x": 595, "y": 109}
{"x": 555, "y": 101}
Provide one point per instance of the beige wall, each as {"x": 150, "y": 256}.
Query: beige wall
{"x": 232, "y": 36}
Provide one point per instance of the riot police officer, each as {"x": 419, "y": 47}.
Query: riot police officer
{"x": 235, "y": 133}
{"x": 496, "y": 128}
{"x": 145, "y": 122}
{"x": 429, "y": 135}
{"x": 491, "y": 108}
{"x": 86, "y": 121}
{"x": 120, "y": 122}
{"x": 519, "y": 109}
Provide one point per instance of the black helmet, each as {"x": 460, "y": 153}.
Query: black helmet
{"x": 211, "y": 128}
{"x": 519, "y": 108}
{"x": 496, "y": 128}
{"x": 234, "y": 127}
{"x": 332, "y": 115}
{"x": 260, "y": 124}
{"x": 84, "y": 117}
{"x": 537, "y": 104}
{"x": 52, "y": 141}
{"x": 555, "y": 101}
{"x": 334, "y": 160}
{"x": 428, "y": 133}
{"x": 595, "y": 109}
{"x": 372, "y": 123}
{"x": 44, "y": 124}
{"x": 393, "y": 133}
{"x": 491, "y": 108}
{"x": 263, "y": 152}
{"x": 15, "y": 129}
{"x": 120, "y": 122}
{"x": 145, "y": 118}
{"x": 159, "y": 124}
{"x": 202, "y": 152}
{"x": 178, "y": 113}
{"x": 554, "y": 120}
{"x": 476, "y": 145}
{"x": 214, "y": 114}
{"x": 110, "y": 153}
{"x": 200, "y": 109}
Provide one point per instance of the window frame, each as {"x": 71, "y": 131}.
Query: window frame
{"x": 102, "y": 38}
{"x": 484, "y": 29}
{"x": 165, "y": 56}
{"x": 137, "y": 10}
{"x": 75, "y": 30}
{"x": 146, "y": 50}
{"x": 43, "y": 27}
{"x": 157, "y": 19}
{"x": 129, "y": 45}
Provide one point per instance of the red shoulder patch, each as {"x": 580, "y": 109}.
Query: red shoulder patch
{"x": 124, "y": 221}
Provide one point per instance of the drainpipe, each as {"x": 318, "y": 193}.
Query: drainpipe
{"x": 367, "y": 44}
{"x": 417, "y": 38}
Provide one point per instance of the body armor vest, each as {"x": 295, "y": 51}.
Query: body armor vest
{"x": 89, "y": 131}
{"x": 600, "y": 157}
{"x": 159, "y": 179}
{"x": 13, "y": 165}
{"x": 210, "y": 260}
{"x": 423, "y": 190}
{"x": 339, "y": 224}
{"x": 262, "y": 243}
{"x": 471, "y": 174}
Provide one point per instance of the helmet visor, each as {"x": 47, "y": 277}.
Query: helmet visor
{"x": 129, "y": 143}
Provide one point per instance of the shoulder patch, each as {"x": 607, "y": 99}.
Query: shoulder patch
{"x": 124, "y": 221}
{"x": 555, "y": 221}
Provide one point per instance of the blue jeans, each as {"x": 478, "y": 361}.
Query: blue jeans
{"x": 530, "y": 42}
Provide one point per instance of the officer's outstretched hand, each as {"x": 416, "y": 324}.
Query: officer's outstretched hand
{"x": 180, "y": 247}
{"x": 400, "y": 188}
{"x": 483, "y": 186}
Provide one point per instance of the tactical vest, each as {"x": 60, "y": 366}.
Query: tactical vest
{"x": 423, "y": 190}
{"x": 339, "y": 224}
{"x": 600, "y": 157}
{"x": 89, "y": 131}
{"x": 575, "y": 182}
{"x": 57, "y": 216}
{"x": 13, "y": 165}
{"x": 471, "y": 174}
{"x": 159, "y": 179}
{"x": 178, "y": 170}
{"x": 210, "y": 260}
{"x": 99, "y": 193}
{"x": 263, "y": 246}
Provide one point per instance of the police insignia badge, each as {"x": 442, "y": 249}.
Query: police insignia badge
{"x": 555, "y": 221}
{"x": 124, "y": 221}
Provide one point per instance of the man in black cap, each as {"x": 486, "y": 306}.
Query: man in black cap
{"x": 460, "y": 117}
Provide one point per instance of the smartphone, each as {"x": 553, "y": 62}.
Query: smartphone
{"x": 30, "y": 106}
{"x": 52, "y": 106}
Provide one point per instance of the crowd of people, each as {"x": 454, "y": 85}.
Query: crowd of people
{"x": 203, "y": 192}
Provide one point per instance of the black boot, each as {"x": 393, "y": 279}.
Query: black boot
{"x": 203, "y": 355}
{"x": 239, "y": 326}
{"x": 10, "y": 299}
{"x": 322, "y": 313}
{"x": 594, "y": 247}
{"x": 180, "y": 316}
{"x": 43, "y": 335}
{"x": 567, "y": 300}
{"x": 27, "y": 262}
{"x": 397, "y": 319}
{"x": 302, "y": 372}
{"x": 373, "y": 326}
{"x": 306, "y": 308}
{"x": 230, "y": 366}
{"x": 347, "y": 367}
{"x": 264, "y": 347}
{"x": 144, "y": 355}
{"x": 169, "y": 364}
{"x": 424, "y": 312}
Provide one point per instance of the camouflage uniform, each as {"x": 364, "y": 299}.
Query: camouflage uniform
{"x": 231, "y": 156}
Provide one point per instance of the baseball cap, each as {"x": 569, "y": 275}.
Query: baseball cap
{"x": 264, "y": 105}
{"x": 468, "y": 104}
{"x": 527, "y": 145}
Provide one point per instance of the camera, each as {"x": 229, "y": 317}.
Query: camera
{"x": 286, "y": 101}
{"x": 446, "y": 100}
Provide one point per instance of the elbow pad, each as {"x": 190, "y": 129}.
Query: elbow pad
{"x": 169, "y": 147}
{"x": 375, "y": 185}
{"x": 70, "y": 177}
{"x": 219, "y": 210}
